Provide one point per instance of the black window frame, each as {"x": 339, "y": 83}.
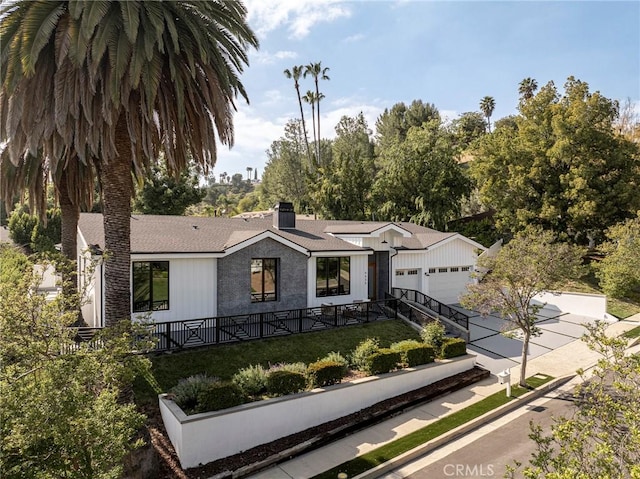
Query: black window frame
{"x": 263, "y": 296}
{"x": 151, "y": 304}
{"x": 341, "y": 289}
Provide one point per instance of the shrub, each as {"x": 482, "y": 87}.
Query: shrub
{"x": 186, "y": 392}
{"x": 338, "y": 358}
{"x": 21, "y": 226}
{"x": 325, "y": 373}
{"x": 291, "y": 367}
{"x": 282, "y": 382}
{"x": 220, "y": 395}
{"x": 252, "y": 380}
{"x": 383, "y": 361}
{"x": 414, "y": 353}
{"x": 433, "y": 334}
{"x": 452, "y": 347}
{"x": 359, "y": 357}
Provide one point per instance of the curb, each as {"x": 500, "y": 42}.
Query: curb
{"x": 462, "y": 430}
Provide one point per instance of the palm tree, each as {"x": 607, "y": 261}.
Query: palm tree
{"x": 120, "y": 81}
{"x": 527, "y": 88}
{"x": 317, "y": 72}
{"x": 310, "y": 98}
{"x": 487, "y": 105}
{"x": 296, "y": 73}
{"x": 249, "y": 170}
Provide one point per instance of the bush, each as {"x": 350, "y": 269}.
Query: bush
{"x": 338, "y": 358}
{"x": 359, "y": 357}
{"x": 282, "y": 382}
{"x": 291, "y": 367}
{"x": 452, "y": 347}
{"x": 21, "y": 225}
{"x": 186, "y": 392}
{"x": 220, "y": 395}
{"x": 414, "y": 353}
{"x": 433, "y": 334}
{"x": 325, "y": 373}
{"x": 252, "y": 380}
{"x": 383, "y": 361}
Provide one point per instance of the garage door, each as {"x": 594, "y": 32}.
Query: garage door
{"x": 447, "y": 284}
{"x": 407, "y": 279}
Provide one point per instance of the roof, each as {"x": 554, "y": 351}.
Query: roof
{"x": 195, "y": 234}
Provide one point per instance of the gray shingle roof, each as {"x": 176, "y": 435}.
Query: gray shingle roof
{"x": 193, "y": 234}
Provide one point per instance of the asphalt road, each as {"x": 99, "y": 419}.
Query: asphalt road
{"x": 485, "y": 452}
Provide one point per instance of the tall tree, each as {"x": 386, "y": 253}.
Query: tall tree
{"x": 120, "y": 80}
{"x": 527, "y": 88}
{"x": 487, "y": 105}
{"x": 393, "y": 124}
{"x": 318, "y": 73}
{"x": 531, "y": 263}
{"x": 421, "y": 180}
{"x": 165, "y": 194}
{"x": 467, "y": 128}
{"x": 310, "y": 98}
{"x": 342, "y": 190}
{"x": 295, "y": 73}
{"x": 563, "y": 167}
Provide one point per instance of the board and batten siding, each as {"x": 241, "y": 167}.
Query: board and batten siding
{"x": 358, "y": 281}
{"x": 192, "y": 289}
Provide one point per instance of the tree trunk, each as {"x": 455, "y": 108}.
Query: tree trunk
{"x": 523, "y": 363}
{"x": 304, "y": 126}
{"x": 70, "y": 214}
{"x": 318, "y": 113}
{"x": 117, "y": 189}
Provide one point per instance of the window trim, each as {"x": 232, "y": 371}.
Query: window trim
{"x": 150, "y": 303}
{"x": 261, "y": 297}
{"x": 327, "y": 289}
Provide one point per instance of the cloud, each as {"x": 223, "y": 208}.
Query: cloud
{"x": 297, "y": 16}
{"x": 266, "y": 58}
{"x": 354, "y": 38}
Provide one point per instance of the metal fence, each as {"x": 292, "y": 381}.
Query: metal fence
{"x": 434, "y": 305}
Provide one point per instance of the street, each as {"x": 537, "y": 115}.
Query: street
{"x": 485, "y": 452}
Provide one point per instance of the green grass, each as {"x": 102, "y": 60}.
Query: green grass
{"x": 632, "y": 333}
{"x": 224, "y": 361}
{"x": 393, "y": 449}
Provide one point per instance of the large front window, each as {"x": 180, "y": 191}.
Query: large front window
{"x": 150, "y": 286}
{"x": 333, "y": 276}
{"x": 264, "y": 280}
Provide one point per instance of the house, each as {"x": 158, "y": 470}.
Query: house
{"x": 195, "y": 267}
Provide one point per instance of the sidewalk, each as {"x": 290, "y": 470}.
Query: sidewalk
{"x": 557, "y": 363}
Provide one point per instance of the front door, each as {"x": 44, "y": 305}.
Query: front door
{"x": 372, "y": 280}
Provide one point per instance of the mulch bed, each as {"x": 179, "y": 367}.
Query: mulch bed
{"x": 285, "y": 448}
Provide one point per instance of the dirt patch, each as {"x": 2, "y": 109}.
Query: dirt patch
{"x": 285, "y": 448}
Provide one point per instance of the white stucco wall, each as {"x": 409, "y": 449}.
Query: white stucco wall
{"x": 202, "y": 438}
{"x": 581, "y": 304}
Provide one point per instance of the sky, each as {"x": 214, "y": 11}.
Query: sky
{"x": 449, "y": 53}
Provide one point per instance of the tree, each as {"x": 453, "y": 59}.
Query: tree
{"x": 296, "y": 72}
{"x": 532, "y": 263}
{"x": 563, "y": 166}
{"x": 619, "y": 271}
{"x": 487, "y": 105}
{"x": 164, "y": 194}
{"x": 318, "y": 73}
{"x": 600, "y": 438}
{"x": 311, "y": 98}
{"x": 120, "y": 81}
{"x": 527, "y": 88}
{"x": 249, "y": 170}
{"x": 420, "y": 180}
{"x": 467, "y": 128}
{"x": 60, "y": 414}
{"x": 343, "y": 187}
{"x": 393, "y": 125}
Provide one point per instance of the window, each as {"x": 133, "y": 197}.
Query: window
{"x": 412, "y": 272}
{"x": 432, "y": 270}
{"x": 150, "y": 286}
{"x": 442, "y": 270}
{"x": 264, "y": 280}
{"x": 333, "y": 276}
{"x": 454, "y": 270}
{"x": 466, "y": 268}
{"x": 399, "y": 273}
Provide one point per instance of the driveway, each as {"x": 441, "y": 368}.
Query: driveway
{"x": 497, "y": 351}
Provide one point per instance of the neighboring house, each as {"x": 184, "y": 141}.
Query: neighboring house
{"x": 194, "y": 267}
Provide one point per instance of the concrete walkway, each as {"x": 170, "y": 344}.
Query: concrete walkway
{"x": 563, "y": 361}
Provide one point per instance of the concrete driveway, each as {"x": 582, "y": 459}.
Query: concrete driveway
{"x": 498, "y": 349}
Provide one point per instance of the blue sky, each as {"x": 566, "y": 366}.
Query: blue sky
{"x": 447, "y": 53}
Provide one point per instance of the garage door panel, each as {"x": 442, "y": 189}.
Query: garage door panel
{"x": 448, "y": 287}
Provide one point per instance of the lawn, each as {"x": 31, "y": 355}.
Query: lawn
{"x": 393, "y": 449}
{"x": 224, "y": 361}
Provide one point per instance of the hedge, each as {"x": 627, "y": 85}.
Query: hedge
{"x": 383, "y": 361}
{"x": 283, "y": 382}
{"x": 220, "y": 395}
{"x": 414, "y": 353}
{"x": 452, "y": 347}
{"x": 325, "y": 373}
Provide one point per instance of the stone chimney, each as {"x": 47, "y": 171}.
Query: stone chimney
{"x": 284, "y": 216}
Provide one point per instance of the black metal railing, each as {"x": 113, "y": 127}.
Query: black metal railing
{"x": 434, "y": 305}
